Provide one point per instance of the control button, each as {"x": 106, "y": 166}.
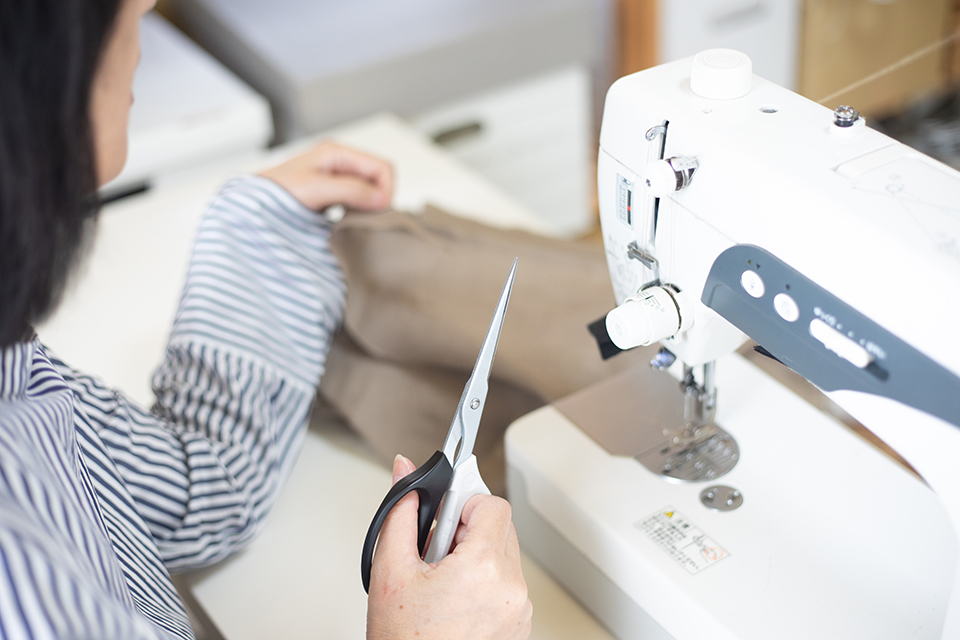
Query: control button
{"x": 840, "y": 344}
{"x": 786, "y": 307}
{"x": 752, "y": 283}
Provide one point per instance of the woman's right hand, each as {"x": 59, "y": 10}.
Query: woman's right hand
{"x": 477, "y": 591}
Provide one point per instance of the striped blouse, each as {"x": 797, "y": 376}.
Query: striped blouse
{"x": 100, "y": 498}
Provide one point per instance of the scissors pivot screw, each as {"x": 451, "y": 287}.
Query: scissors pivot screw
{"x": 475, "y": 403}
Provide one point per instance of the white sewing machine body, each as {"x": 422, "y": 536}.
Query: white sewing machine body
{"x": 850, "y": 243}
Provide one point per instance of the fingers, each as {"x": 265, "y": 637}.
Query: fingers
{"x": 476, "y": 592}
{"x": 331, "y": 174}
{"x": 345, "y": 189}
{"x": 486, "y": 523}
{"x": 492, "y": 552}
{"x": 512, "y": 549}
{"x": 398, "y": 536}
{"x": 356, "y": 179}
{"x": 344, "y": 160}
{"x": 402, "y": 467}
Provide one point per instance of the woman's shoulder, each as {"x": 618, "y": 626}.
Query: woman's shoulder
{"x": 87, "y": 390}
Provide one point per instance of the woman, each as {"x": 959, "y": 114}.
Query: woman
{"x": 100, "y": 498}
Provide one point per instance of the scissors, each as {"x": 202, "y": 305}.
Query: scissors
{"x": 450, "y": 477}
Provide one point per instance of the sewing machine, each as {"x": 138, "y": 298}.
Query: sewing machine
{"x": 713, "y": 500}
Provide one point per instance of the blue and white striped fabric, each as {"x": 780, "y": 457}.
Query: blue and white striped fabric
{"x": 100, "y": 499}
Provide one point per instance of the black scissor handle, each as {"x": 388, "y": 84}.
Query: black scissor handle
{"x": 431, "y": 481}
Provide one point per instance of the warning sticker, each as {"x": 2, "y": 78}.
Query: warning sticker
{"x": 682, "y": 540}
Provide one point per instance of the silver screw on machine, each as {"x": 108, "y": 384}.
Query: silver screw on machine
{"x": 845, "y": 116}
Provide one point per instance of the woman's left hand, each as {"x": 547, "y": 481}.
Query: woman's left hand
{"x": 331, "y": 174}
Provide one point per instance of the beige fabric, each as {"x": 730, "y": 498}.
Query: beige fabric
{"x": 421, "y": 292}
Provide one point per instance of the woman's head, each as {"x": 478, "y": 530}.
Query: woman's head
{"x": 66, "y": 68}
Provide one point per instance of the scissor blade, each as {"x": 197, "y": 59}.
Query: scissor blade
{"x": 463, "y": 430}
{"x": 489, "y": 348}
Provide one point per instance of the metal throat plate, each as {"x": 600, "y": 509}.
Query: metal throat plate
{"x": 707, "y": 456}
{"x": 632, "y": 413}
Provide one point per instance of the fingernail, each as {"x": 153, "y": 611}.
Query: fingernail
{"x": 397, "y": 468}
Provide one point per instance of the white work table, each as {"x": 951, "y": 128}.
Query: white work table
{"x": 301, "y": 577}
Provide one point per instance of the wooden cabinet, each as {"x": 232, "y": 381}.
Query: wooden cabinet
{"x": 838, "y": 43}
{"x": 638, "y": 35}
{"x": 844, "y": 41}
{"x": 655, "y": 31}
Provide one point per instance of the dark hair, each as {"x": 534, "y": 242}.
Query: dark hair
{"x": 49, "y": 52}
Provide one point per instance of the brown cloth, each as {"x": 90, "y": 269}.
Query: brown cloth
{"x": 421, "y": 291}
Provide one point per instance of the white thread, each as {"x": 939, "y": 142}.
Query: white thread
{"x": 907, "y": 59}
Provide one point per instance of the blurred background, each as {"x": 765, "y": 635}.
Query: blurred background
{"x": 514, "y": 88}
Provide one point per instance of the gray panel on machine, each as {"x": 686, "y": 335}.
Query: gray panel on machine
{"x": 897, "y": 370}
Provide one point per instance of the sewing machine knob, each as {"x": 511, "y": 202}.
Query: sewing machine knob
{"x": 653, "y": 314}
{"x": 663, "y": 177}
{"x": 721, "y": 74}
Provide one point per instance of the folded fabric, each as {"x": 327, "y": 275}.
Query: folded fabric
{"x": 421, "y": 290}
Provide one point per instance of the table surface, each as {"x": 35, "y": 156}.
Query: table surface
{"x": 300, "y": 578}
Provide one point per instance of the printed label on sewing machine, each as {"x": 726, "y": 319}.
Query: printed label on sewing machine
{"x": 624, "y": 200}
{"x": 682, "y": 540}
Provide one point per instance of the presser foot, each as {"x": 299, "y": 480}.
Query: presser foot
{"x": 704, "y": 453}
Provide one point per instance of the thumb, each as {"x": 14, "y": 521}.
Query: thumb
{"x": 402, "y": 467}
{"x": 397, "y": 544}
